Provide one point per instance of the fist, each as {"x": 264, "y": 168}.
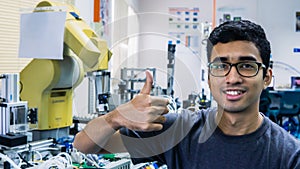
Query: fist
{"x": 144, "y": 112}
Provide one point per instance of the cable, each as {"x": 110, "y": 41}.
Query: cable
{"x": 60, "y": 161}
{"x": 6, "y": 158}
{"x": 91, "y": 161}
{"x": 52, "y": 162}
{"x": 68, "y": 157}
{"x": 23, "y": 159}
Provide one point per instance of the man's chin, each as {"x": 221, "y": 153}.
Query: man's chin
{"x": 233, "y": 110}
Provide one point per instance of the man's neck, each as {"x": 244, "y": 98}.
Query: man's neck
{"x": 239, "y": 124}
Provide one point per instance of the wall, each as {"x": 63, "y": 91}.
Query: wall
{"x": 86, "y": 9}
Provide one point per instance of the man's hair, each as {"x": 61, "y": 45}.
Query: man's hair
{"x": 241, "y": 30}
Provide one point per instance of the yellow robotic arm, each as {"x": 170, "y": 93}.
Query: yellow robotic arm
{"x": 48, "y": 84}
{"x": 82, "y": 40}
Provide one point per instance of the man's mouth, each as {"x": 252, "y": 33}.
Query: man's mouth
{"x": 234, "y": 92}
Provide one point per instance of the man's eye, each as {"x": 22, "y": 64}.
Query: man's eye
{"x": 247, "y": 66}
{"x": 220, "y": 66}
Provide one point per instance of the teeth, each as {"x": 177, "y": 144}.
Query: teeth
{"x": 235, "y": 92}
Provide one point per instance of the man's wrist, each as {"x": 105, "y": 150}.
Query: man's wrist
{"x": 113, "y": 120}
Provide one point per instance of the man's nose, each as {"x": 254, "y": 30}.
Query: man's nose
{"x": 233, "y": 76}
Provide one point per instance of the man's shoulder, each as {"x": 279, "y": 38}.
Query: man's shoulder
{"x": 279, "y": 131}
{"x": 284, "y": 146}
{"x": 280, "y": 137}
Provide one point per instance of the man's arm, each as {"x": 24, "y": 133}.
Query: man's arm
{"x": 142, "y": 113}
{"x": 94, "y": 138}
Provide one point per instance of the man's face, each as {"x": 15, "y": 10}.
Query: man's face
{"x": 233, "y": 92}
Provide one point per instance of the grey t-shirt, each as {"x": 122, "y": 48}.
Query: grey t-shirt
{"x": 192, "y": 140}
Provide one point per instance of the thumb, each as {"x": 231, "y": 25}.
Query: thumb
{"x": 148, "y": 84}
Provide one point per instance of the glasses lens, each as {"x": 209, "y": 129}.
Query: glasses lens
{"x": 247, "y": 68}
{"x": 219, "y": 68}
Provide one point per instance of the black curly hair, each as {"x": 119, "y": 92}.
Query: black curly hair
{"x": 241, "y": 30}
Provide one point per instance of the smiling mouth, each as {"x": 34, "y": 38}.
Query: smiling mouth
{"x": 234, "y": 92}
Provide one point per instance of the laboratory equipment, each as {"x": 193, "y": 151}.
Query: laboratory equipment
{"x": 196, "y": 102}
{"x": 13, "y": 112}
{"x": 99, "y": 86}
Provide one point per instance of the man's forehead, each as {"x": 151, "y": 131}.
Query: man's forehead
{"x": 233, "y": 58}
{"x": 235, "y": 50}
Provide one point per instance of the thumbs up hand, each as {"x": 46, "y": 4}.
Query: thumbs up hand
{"x": 143, "y": 112}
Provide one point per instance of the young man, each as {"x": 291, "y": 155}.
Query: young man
{"x": 233, "y": 135}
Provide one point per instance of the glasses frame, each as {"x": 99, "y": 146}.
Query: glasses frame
{"x": 259, "y": 65}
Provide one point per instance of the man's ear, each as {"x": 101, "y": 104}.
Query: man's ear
{"x": 268, "y": 78}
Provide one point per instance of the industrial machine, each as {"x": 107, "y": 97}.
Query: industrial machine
{"x": 48, "y": 84}
{"x": 13, "y": 112}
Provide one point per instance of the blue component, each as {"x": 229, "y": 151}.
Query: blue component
{"x": 155, "y": 165}
{"x": 292, "y": 126}
{"x": 296, "y": 50}
{"x": 75, "y": 15}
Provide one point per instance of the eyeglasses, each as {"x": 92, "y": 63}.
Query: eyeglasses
{"x": 245, "y": 69}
